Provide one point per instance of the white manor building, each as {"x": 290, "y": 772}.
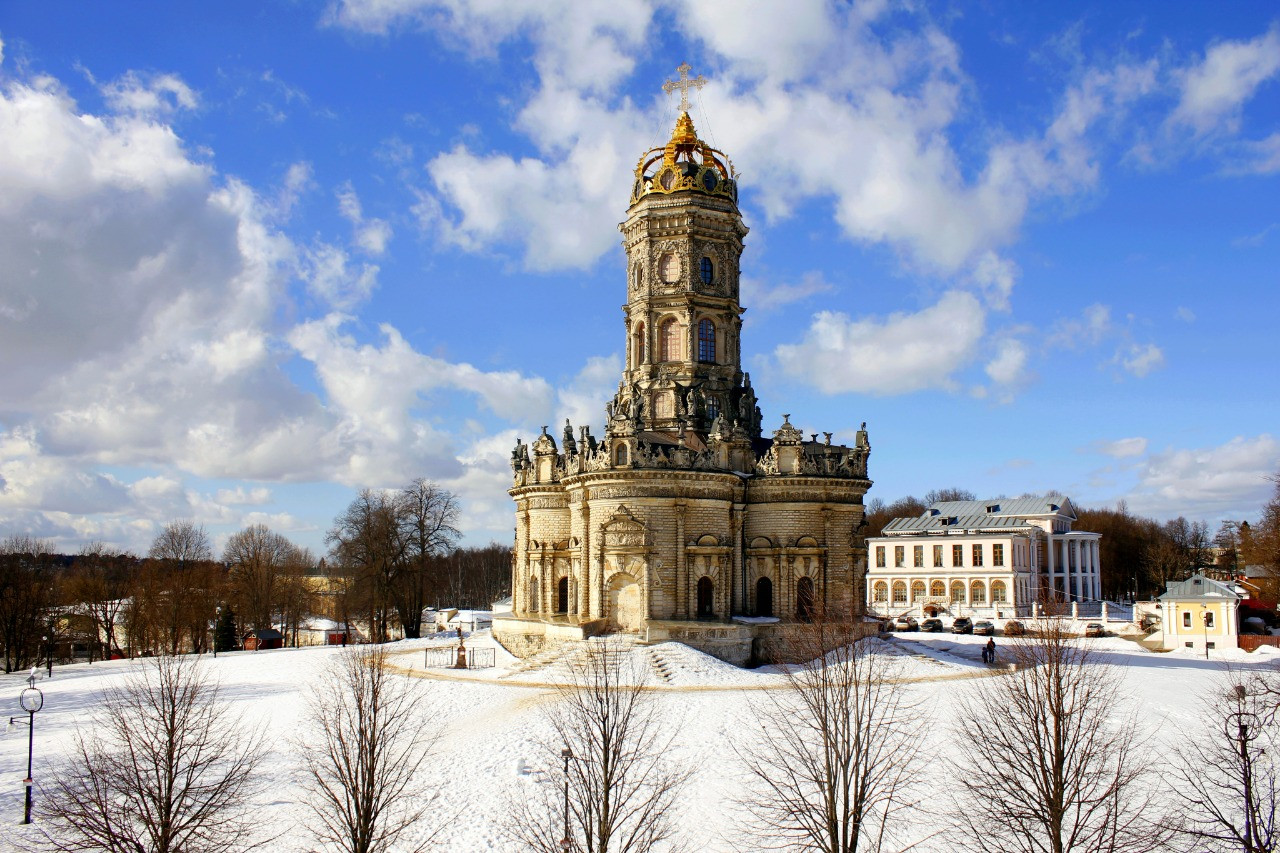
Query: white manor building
{"x": 995, "y": 559}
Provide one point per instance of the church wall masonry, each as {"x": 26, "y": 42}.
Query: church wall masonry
{"x": 683, "y": 516}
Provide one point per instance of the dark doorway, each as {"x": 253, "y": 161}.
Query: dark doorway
{"x": 706, "y": 596}
{"x": 764, "y": 597}
{"x": 804, "y": 599}
{"x": 562, "y": 597}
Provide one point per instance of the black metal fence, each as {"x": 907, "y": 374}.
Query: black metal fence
{"x": 446, "y": 657}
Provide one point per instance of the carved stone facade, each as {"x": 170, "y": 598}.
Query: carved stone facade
{"x": 682, "y": 512}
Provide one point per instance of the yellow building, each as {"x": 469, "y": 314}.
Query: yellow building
{"x": 1200, "y": 614}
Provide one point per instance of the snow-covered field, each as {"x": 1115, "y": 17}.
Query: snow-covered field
{"x": 494, "y": 715}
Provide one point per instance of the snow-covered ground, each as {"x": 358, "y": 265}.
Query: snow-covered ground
{"x": 493, "y": 716}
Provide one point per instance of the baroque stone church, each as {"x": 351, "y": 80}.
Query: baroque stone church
{"x": 682, "y": 521}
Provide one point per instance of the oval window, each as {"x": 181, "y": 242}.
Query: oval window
{"x": 667, "y": 180}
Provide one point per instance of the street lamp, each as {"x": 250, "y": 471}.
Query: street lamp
{"x": 32, "y": 700}
{"x": 1204, "y": 617}
{"x": 566, "y": 754}
{"x": 217, "y": 623}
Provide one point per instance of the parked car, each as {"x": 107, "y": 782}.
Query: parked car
{"x": 933, "y": 626}
{"x": 984, "y": 628}
{"x": 905, "y": 623}
{"x": 1013, "y": 628}
{"x": 962, "y": 625}
{"x": 1095, "y": 629}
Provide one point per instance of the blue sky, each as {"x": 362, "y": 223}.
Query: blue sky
{"x": 260, "y": 255}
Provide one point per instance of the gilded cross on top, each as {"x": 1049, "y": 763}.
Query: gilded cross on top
{"x": 684, "y": 84}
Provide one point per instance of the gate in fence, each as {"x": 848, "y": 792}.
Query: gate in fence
{"x": 446, "y": 657}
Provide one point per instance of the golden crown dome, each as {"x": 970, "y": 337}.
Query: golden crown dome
{"x": 685, "y": 164}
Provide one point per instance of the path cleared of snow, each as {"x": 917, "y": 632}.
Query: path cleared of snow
{"x": 493, "y": 718}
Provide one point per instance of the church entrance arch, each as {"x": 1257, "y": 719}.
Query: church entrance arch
{"x": 706, "y": 597}
{"x": 562, "y": 596}
{"x": 626, "y": 603}
{"x": 764, "y": 597}
{"x": 804, "y": 599}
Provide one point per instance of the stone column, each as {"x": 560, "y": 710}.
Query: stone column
{"x": 682, "y": 570}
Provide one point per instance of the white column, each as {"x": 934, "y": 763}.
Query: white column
{"x": 1097, "y": 566}
{"x": 1050, "y": 545}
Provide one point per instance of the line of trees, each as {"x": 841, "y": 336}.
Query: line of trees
{"x": 392, "y": 554}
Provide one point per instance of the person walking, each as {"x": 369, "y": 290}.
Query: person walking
{"x": 989, "y": 650}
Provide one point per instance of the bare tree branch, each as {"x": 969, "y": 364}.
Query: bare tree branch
{"x": 622, "y": 787}
{"x": 363, "y": 773}
{"x": 1047, "y": 762}
{"x": 164, "y": 767}
{"x": 830, "y": 768}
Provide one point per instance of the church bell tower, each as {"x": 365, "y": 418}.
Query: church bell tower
{"x": 683, "y": 238}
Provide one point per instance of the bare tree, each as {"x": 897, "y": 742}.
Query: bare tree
{"x": 364, "y": 771}
{"x": 181, "y": 550}
{"x": 837, "y": 747}
{"x": 26, "y": 593}
{"x": 99, "y": 588}
{"x": 164, "y": 767}
{"x": 1225, "y": 775}
{"x": 368, "y": 545}
{"x": 621, "y": 785}
{"x": 1047, "y": 763}
{"x": 259, "y": 558}
{"x": 429, "y": 518}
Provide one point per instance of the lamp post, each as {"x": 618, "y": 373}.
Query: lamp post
{"x": 217, "y": 623}
{"x": 566, "y": 754}
{"x": 48, "y": 648}
{"x": 1204, "y": 617}
{"x": 32, "y": 700}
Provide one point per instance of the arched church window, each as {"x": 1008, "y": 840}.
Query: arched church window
{"x": 804, "y": 599}
{"x": 662, "y": 406}
{"x": 957, "y": 591}
{"x": 937, "y": 589}
{"x": 706, "y": 270}
{"x": 917, "y": 590}
{"x": 670, "y": 336}
{"x": 620, "y": 455}
{"x": 978, "y": 593}
{"x": 639, "y": 347}
{"x": 706, "y": 341}
{"x": 998, "y": 592}
{"x": 899, "y": 592}
{"x": 562, "y": 596}
{"x": 881, "y": 591}
{"x": 533, "y": 594}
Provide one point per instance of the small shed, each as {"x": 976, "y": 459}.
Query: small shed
{"x": 263, "y": 638}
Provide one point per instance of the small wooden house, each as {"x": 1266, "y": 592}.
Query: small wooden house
{"x": 263, "y": 638}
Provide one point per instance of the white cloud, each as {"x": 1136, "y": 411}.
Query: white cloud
{"x": 297, "y": 181}
{"x": 896, "y": 355}
{"x": 371, "y": 235}
{"x": 1089, "y": 329}
{"x": 761, "y": 298}
{"x": 1227, "y": 480}
{"x": 333, "y": 279}
{"x": 1009, "y": 365}
{"x": 1262, "y": 157}
{"x": 1213, "y": 91}
{"x": 1141, "y": 359}
{"x": 1123, "y": 448}
{"x": 996, "y": 277}
{"x": 582, "y": 400}
{"x": 244, "y": 496}
{"x": 153, "y": 94}
{"x": 1185, "y": 314}
{"x": 796, "y": 90}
